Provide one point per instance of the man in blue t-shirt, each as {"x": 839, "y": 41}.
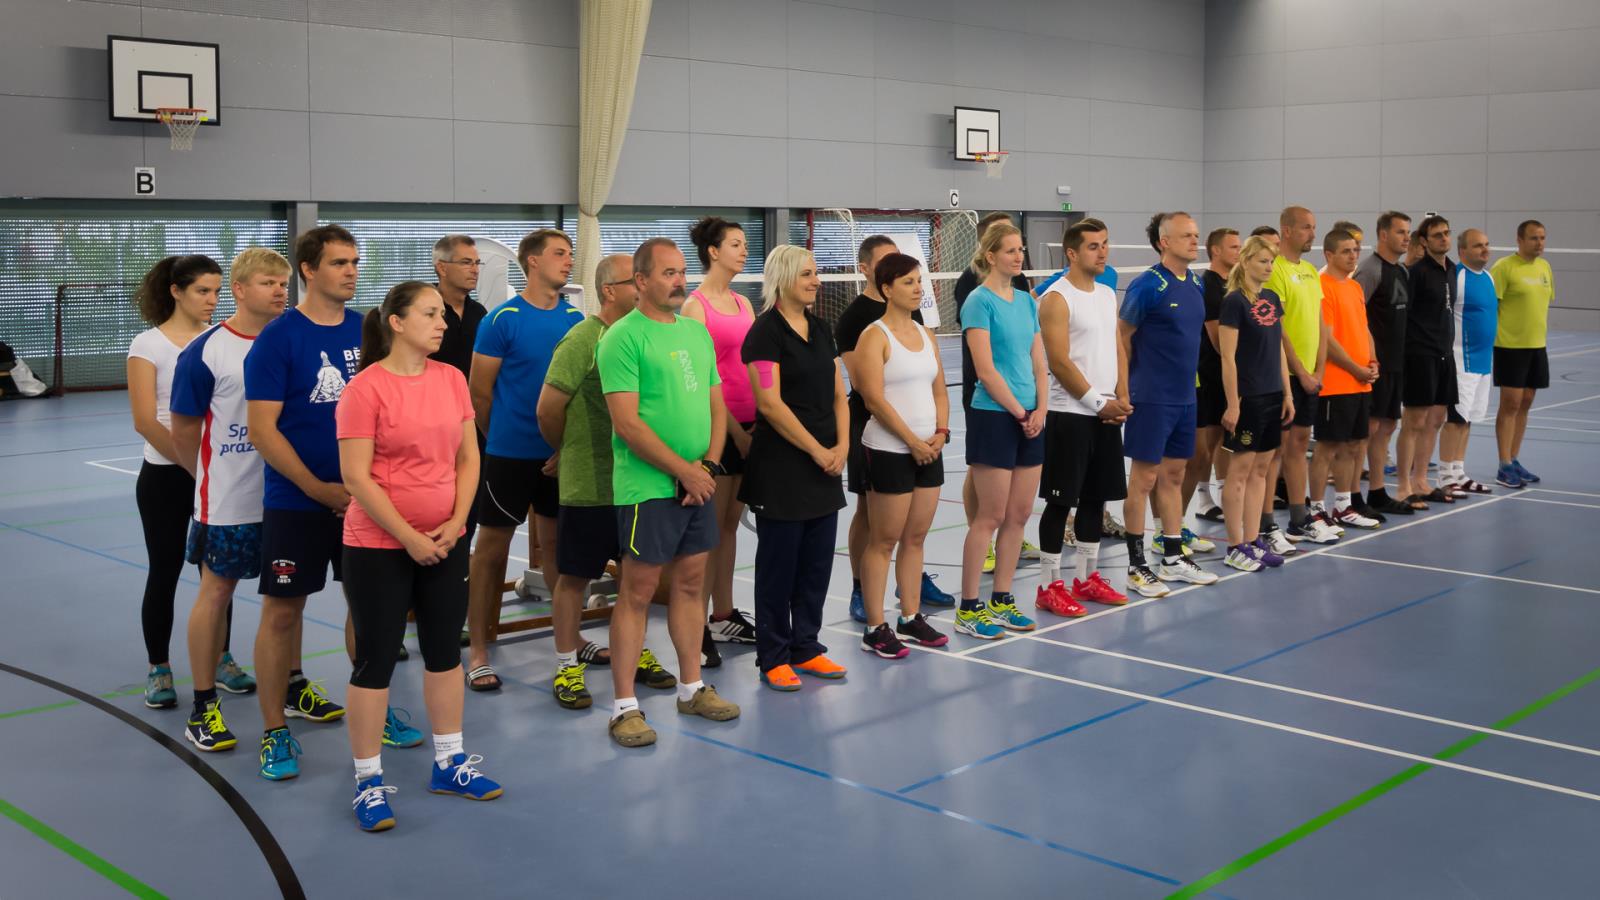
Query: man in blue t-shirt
{"x": 1477, "y": 315}
{"x": 294, "y": 376}
{"x": 1160, "y": 324}
{"x": 509, "y": 359}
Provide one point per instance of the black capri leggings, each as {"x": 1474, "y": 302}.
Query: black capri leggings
{"x": 381, "y": 586}
{"x": 165, "y": 496}
{"x": 1088, "y": 527}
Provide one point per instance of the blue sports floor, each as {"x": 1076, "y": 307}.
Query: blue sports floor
{"x": 1407, "y": 714}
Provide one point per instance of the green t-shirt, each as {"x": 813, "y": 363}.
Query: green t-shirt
{"x": 672, "y": 368}
{"x": 1299, "y": 286}
{"x": 585, "y": 469}
{"x": 1526, "y": 288}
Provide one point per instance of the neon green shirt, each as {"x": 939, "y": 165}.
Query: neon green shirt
{"x": 1299, "y": 285}
{"x": 672, "y": 368}
{"x": 1526, "y": 288}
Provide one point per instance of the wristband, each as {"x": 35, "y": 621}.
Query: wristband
{"x": 1099, "y": 402}
{"x": 943, "y": 431}
{"x": 713, "y": 468}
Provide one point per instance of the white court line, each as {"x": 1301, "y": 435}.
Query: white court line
{"x": 1560, "y": 428}
{"x": 1262, "y": 723}
{"x": 1564, "y": 403}
{"x": 1405, "y": 565}
{"x": 101, "y": 464}
{"x": 1303, "y": 554}
{"x": 1315, "y": 695}
{"x": 1567, "y": 493}
{"x": 1555, "y": 502}
{"x": 1560, "y": 419}
{"x": 1592, "y": 348}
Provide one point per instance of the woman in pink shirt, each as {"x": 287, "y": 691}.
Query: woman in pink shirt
{"x": 410, "y": 462}
{"x": 727, "y": 315}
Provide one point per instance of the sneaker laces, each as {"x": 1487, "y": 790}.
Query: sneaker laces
{"x": 212, "y": 718}
{"x": 373, "y": 796}
{"x": 318, "y": 696}
{"x": 572, "y": 676}
{"x": 1006, "y": 608}
{"x": 161, "y": 680}
{"x": 465, "y": 773}
{"x": 392, "y": 721}
{"x": 275, "y": 749}
{"x": 648, "y": 661}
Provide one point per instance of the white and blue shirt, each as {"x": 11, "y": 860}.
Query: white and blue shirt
{"x": 304, "y": 366}
{"x": 208, "y": 384}
{"x": 1477, "y": 316}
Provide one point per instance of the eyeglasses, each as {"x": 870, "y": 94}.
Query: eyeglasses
{"x": 616, "y": 283}
{"x": 469, "y": 263}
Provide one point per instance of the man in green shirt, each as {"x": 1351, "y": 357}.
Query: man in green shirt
{"x": 659, "y": 374}
{"x": 1521, "y": 363}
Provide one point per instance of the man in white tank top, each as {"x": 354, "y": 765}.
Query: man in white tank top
{"x": 1083, "y": 430}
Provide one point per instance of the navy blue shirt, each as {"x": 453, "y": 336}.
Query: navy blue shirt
{"x": 1258, "y": 356}
{"x": 1169, "y": 312}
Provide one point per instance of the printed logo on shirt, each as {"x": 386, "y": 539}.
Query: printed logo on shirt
{"x": 1264, "y": 312}
{"x": 238, "y": 441}
{"x": 330, "y": 383}
{"x": 691, "y": 383}
{"x": 284, "y": 569}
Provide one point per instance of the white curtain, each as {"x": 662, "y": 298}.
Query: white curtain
{"x": 608, "y": 64}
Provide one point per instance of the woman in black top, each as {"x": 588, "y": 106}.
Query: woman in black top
{"x": 791, "y": 479}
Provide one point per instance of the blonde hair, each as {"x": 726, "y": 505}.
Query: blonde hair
{"x": 992, "y": 238}
{"x": 253, "y": 261}
{"x": 1236, "y": 279}
{"x": 781, "y": 270}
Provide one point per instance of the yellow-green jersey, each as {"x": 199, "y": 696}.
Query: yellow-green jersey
{"x": 1526, "y": 287}
{"x": 1299, "y": 285}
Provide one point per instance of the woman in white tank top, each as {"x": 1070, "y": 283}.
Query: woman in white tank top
{"x": 902, "y": 382}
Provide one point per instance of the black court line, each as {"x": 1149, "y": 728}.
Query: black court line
{"x": 277, "y": 860}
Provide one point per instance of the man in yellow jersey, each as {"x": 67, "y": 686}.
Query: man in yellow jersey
{"x": 1295, "y": 280}
{"x": 1521, "y": 365}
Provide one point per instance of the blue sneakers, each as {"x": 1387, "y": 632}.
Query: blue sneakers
{"x": 1003, "y": 611}
{"x": 278, "y": 752}
{"x": 1526, "y": 476}
{"x": 371, "y": 806}
{"x": 462, "y": 780}
{"x": 397, "y": 732}
{"x": 1507, "y": 475}
{"x": 858, "y": 609}
{"x": 977, "y": 623}
{"x": 231, "y": 678}
{"x": 931, "y": 595}
{"x": 158, "y": 692}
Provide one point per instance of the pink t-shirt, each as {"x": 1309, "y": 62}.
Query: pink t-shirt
{"x": 727, "y": 337}
{"x": 415, "y": 425}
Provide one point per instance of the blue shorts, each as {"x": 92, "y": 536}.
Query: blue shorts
{"x": 231, "y": 551}
{"x": 1157, "y": 431}
{"x": 995, "y": 439}
{"x": 660, "y": 531}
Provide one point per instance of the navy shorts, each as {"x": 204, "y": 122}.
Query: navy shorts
{"x": 1157, "y": 431}
{"x": 297, "y": 547}
{"x": 231, "y": 551}
{"x": 659, "y": 531}
{"x": 586, "y": 539}
{"x": 995, "y": 439}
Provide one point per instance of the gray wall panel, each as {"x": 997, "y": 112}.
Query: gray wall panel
{"x": 831, "y": 107}
{"x": 1544, "y": 61}
{"x": 1317, "y": 24}
{"x": 830, "y": 173}
{"x": 492, "y": 165}
{"x": 1417, "y": 183}
{"x": 1255, "y": 184}
{"x": 1055, "y": 65}
{"x": 1253, "y": 80}
{"x": 654, "y": 169}
{"x": 1406, "y": 20}
{"x": 986, "y": 58}
{"x": 552, "y": 22}
{"x": 1436, "y": 125}
{"x": 1339, "y": 75}
{"x": 62, "y": 52}
{"x": 1559, "y": 120}
{"x": 290, "y": 10}
{"x": 1565, "y": 180}
{"x": 382, "y": 158}
{"x": 276, "y": 142}
{"x": 825, "y": 38}
{"x": 1249, "y": 133}
{"x": 738, "y": 99}
{"x": 738, "y": 171}
{"x": 263, "y": 61}
{"x": 70, "y": 149}
{"x": 911, "y": 49}
{"x": 1044, "y": 172}
{"x": 495, "y": 81}
{"x": 661, "y": 100}
{"x": 426, "y": 16}
{"x": 1452, "y": 68}
{"x": 1056, "y": 124}
{"x": 669, "y": 29}
{"x": 382, "y": 73}
{"x": 739, "y": 31}
{"x": 1337, "y": 182}
{"x": 1331, "y": 129}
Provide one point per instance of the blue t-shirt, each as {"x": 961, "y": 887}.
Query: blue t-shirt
{"x": 304, "y": 366}
{"x": 1011, "y": 326}
{"x": 1108, "y": 277}
{"x": 1169, "y": 312}
{"x": 523, "y": 337}
{"x": 1477, "y": 318}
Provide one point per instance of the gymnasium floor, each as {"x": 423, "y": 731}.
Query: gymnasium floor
{"x": 1319, "y": 731}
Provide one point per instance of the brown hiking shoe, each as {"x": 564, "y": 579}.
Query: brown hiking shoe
{"x": 707, "y": 704}
{"x": 631, "y": 730}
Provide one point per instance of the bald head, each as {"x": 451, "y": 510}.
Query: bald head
{"x": 613, "y": 281}
{"x": 1298, "y": 228}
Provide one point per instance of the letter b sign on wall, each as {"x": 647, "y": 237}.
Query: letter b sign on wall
{"x": 144, "y": 181}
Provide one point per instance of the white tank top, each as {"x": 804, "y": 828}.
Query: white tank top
{"x": 1092, "y": 334}
{"x": 908, "y": 377}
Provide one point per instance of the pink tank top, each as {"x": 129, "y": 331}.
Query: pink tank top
{"x": 727, "y": 337}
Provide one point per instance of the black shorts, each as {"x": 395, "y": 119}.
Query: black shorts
{"x": 1210, "y": 402}
{"x": 732, "y": 463}
{"x": 995, "y": 439}
{"x": 1430, "y": 381}
{"x": 1343, "y": 417}
{"x": 660, "y": 531}
{"x": 856, "y": 459}
{"x": 1305, "y": 405}
{"x": 1522, "y": 367}
{"x": 586, "y": 539}
{"x": 509, "y": 486}
{"x": 896, "y": 473}
{"x": 1384, "y": 402}
{"x": 1260, "y": 425}
{"x": 297, "y": 546}
{"x": 1082, "y": 460}
{"x": 386, "y": 585}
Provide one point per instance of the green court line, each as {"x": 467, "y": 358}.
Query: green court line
{"x": 1311, "y": 826}
{"x": 63, "y": 489}
{"x": 78, "y": 852}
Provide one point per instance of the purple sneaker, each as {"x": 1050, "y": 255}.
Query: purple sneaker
{"x": 1263, "y": 553}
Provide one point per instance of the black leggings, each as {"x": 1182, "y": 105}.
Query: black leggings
{"x": 165, "y": 496}
{"x": 381, "y": 586}
{"x": 1087, "y": 528}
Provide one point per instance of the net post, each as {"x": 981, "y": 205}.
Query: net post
{"x": 59, "y": 375}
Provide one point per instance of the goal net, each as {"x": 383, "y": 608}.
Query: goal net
{"x": 945, "y": 240}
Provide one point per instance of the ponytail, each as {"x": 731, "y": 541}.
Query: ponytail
{"x": 376, "y": 336}
{"x": 154, "y": 297}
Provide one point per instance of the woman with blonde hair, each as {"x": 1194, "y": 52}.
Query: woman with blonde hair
{"x": 791, "y": 481}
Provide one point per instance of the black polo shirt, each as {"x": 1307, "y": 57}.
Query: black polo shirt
{"x": 460, "y": 333}
{"x": 1430, "y": 318}
{"x": 1388, "y": 291}
{"x": 780, "y": 480}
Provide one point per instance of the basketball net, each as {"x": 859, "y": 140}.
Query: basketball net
{"x": 183, "y": 122}
{"x": 994, "y": 162}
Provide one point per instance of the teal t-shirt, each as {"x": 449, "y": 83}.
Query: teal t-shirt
{"x": 1011, "y": 326}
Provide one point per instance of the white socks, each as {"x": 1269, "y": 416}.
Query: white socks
{"x": 1341, "y": 501}
{"x": 566, "y": 660}
{"x": 444, "y": 747}
{"x": 622, "y": 705}
{"x": 366, "y": 768}
{"x": 1088, "y": 555}
{"x": 1452, "y": 471}
{"x": 1049, "y": 567}
{"x": 686, "y": 690}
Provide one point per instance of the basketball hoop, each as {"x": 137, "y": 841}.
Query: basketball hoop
{"x": 995, "y": 160}
{"x": 183, "y": 122}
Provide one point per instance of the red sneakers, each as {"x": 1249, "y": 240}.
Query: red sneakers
{"x": 1053, "y": 598}
{"x": 1098, "y": 590}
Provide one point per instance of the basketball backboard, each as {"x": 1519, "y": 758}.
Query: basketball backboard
{"x": 148, "y": 74}
{"x": 976, "y": 131}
